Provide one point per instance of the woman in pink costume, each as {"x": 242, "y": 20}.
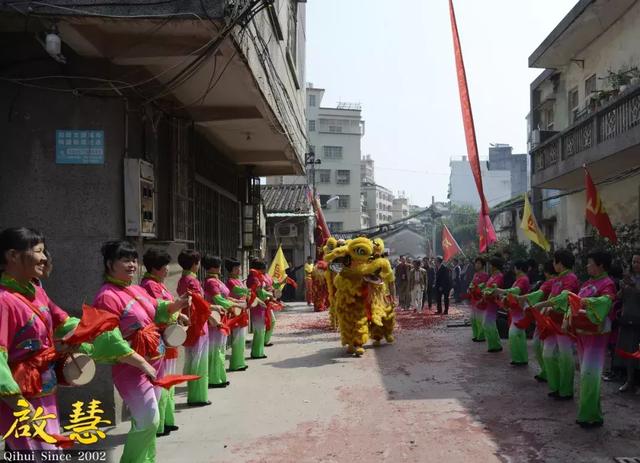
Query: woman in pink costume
{"x": 29, "y": 324}
{"x": 138, "y": 314}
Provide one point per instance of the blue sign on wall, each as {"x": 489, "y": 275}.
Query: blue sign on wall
{"x": 79, "y": 146}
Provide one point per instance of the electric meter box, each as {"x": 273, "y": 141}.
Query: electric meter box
{"x": 139, "y": 198}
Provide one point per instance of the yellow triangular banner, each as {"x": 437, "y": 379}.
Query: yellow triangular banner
{"x": 530, "y": 226}
{"x": 278, "y": 266}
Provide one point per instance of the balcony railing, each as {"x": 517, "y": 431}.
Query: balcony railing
{"x": 606, "y": 123}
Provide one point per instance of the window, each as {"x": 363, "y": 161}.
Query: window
{"x": 574, "y": 105}
{"x": 590, "y": 85}
{"x": 549, "y": 116}
{"x": 343, "y": 177}
{"x": 324, "y": 176}
{"x": 292, "y": 42}
{"x": 312, "y": 100}
{"x": 332, "y": 152}
{"x": 323, "y": 200}
{"x": 343, "y": 202}
{"x": 335, "y": 226}
{"x": 312, "y": 126}
{"x": 335, "y": 129}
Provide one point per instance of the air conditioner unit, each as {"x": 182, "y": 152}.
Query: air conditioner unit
{"x": 287, "y": 231}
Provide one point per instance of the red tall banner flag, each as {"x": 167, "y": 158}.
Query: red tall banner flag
{"x": 485, "y": 228}
{"x": 450, "y": 246}
{"x": 595, "y": 213}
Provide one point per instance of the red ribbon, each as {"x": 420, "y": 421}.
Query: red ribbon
{"x": 171, "y": 380}
{"x": 93, "y": 323}
{"x": 28, "y": 373}
{"x": 628, "y": 355}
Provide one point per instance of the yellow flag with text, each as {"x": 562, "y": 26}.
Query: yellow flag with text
{"x": 278, "y": 266}
{"x": 530, "y": 226}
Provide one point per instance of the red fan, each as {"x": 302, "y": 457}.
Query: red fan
{"x": 580, "y": 321}
{"x": 525, "y": 322}
{"x": 198, "y": 316}
{"x": 239, "y": 321}
{"x": 93, "y": 323}
{"x": 171, "y": 380}
{"x": 146, "y": 341}
{"x": 292, "y": 282}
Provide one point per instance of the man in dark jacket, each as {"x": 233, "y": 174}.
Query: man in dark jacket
{"x": 442, "y": 286}
{"x": 431, "y": 281}
{"x": 457, "y": 280}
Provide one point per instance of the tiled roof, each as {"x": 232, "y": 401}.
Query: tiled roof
{"x": 285, "y": 198}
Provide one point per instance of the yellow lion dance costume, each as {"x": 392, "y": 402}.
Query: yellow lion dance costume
{"x": 381, "y": 278}
{"x": 329, "y": 277}
{"x": 360, "y": 294}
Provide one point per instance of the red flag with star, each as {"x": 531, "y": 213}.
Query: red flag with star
{"x": 595, "y": 213}
{"x": 450, "y": 246}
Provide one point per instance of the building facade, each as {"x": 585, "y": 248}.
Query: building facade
{"x": 378, "y": 202}
{"x": 501, "y": 157}
{"x": 585, "y": 110}
{"x": 289, "y": 224}
{"x": 335, "y": 136}
{"x": 462, "y": 187}
{"x": 400, "y": 207}
{"x": 137, "y": 141}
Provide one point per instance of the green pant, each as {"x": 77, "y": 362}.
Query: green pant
{"x": 162, "y": 407}
{"x": 491, "y": 330}
{"x": 477, "y": 328}
{"x": 591, "y": 353}
{"x": 518, "y": 344}
{"x": 558, "y": 359}
{"x": 269, "y": 332}
{"x": 197, "y": 363}
{"x": 537, "y": 348}
{"x": 217, "y": 349}
{"x": 237, "y": 349}
{"x": 257, "y": 344}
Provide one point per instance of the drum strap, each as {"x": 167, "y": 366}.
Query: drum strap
{"x": 27, "y": 372}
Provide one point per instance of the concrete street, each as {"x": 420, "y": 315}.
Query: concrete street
{"x": 434, "y": 396}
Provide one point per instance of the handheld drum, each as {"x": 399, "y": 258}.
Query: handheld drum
{"x": 174, "y": 335}
{"x": 75, "y": 370}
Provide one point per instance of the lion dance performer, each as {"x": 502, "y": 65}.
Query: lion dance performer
{"x": 329, "y": 277}
{"x": 357, "y": 305}
{"x": 320, "y": 292}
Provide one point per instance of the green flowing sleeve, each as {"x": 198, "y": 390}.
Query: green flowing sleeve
{"x": 8, "y": 385}
{"x": 66, "y": 327}
{"x": 597, "y": 308}
{"x": 488, "y": 290}
{"x": 263, "y": 294}
{"x": 163, "y": 317}
{"x": 110, "y": 347}
{"x": 560, "y": 302}
{"x": 535, "y": 297}
{"x": 222, "y": 301}
{"x": 514, "y": 291}
{"x": 239, "y": 291}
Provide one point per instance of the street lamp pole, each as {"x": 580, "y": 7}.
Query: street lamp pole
{"x": 310, "y": 160}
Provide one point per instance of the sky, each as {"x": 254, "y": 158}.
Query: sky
{"x": 396, "y": 59}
